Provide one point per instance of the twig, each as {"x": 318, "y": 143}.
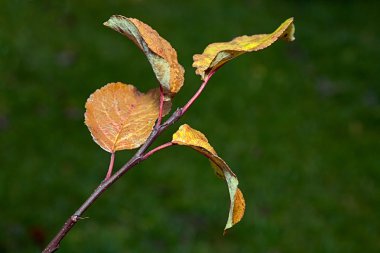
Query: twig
{"x": 199, "y": 91}
{"x": 137, "y": 158}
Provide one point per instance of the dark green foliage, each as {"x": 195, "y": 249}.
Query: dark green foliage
{"x": 302, "y": 130}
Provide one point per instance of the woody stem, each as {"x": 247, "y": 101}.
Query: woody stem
{"x": 136, "y": 159}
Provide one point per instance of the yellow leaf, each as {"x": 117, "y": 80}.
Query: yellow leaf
{"x": 120, "y": 117}
{"x": 188, "y": 136}
{"x": 161, "y": 55}
{"x": 217, "y": 54}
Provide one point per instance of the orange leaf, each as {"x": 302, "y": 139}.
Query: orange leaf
{"x": 190, "y": 137}
{"x": 161, "y": 55}
{"x": 120, "y": 117}
{"x": 217, "y": 54}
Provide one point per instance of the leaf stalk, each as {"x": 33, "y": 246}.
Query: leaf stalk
{"x": 136, "y": 159}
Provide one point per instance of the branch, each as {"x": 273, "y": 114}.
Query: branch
{"x": 137, "y": 158}
{"x": 199, "y": 91}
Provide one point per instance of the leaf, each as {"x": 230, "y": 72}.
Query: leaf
{"x": 120, "y": 117}
{"x": 217, "y": 54}
{"x": 190, "y": 137}
{"x": 161, "y": 55}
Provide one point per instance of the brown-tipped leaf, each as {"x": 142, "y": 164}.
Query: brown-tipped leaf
{"x": 120, "y": 117}
{"x": 161, "y": 55}
{"x": 217, "y": 54}
{"x": 190, "y": 137}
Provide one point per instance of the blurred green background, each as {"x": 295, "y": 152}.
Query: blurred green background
{"x": 299, "y": 123}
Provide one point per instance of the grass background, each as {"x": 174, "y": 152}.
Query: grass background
{"x": 299, "y": 124}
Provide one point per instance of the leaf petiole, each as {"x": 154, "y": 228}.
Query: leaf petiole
{"x": 110, "y": 168}
{"x": 168, "y": 144}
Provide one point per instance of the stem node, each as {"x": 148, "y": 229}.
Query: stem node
{"x": 136, "y": 159}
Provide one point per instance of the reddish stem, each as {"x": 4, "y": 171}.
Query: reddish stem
{"x": 168, "y": 144}
{"x": 110, "y": 168}
{"x": 199, "y": 91}
{"x": 138, "y": 157}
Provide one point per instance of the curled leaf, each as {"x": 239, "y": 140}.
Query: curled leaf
{"x": 217, "y": 54}
{"x": 120, "y": 117}
{"x": 190, "y": 137}
{"x": 161, "y": 55}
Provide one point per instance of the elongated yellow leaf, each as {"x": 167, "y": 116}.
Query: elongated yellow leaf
{"x": 188, "y": 136}
{"x": 161, "y": 55}
{"x": 120, "y": 117}
{"x": 217, "y": 54}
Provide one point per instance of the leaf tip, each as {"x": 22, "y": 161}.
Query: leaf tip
{"x": 288, "y": 34}
{"x": 237, "y": 210}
